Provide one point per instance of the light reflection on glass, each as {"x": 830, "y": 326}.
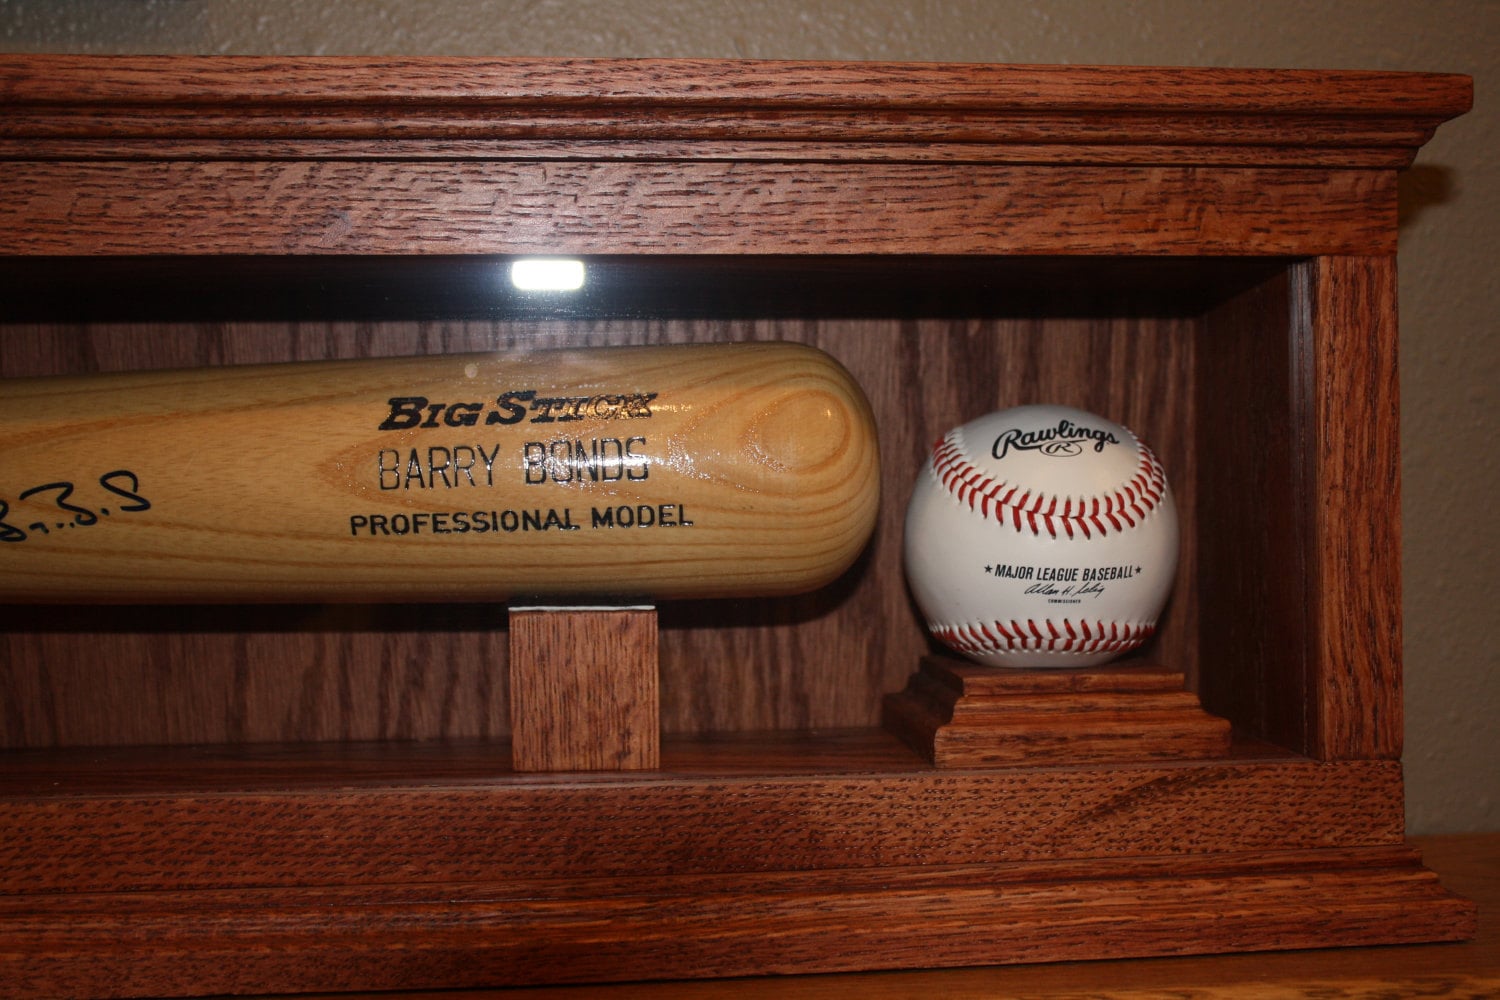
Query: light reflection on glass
{"x": 547, "y": 274}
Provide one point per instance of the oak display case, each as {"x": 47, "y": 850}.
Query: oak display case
{"x": 285, "y": 798}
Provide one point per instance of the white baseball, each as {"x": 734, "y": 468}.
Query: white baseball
{"x": 1041, "y": 536}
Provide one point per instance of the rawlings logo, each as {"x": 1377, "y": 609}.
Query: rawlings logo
{"x": 1124, "y": 507}
{"x": 1064, "y": 440}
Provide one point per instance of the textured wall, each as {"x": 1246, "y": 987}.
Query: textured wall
{"x": 1450, "y": 220}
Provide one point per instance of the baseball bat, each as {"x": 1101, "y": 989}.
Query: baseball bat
{"x": 626, "y": 473}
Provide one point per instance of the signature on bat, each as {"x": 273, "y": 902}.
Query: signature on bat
{"x": 65, "y": 511}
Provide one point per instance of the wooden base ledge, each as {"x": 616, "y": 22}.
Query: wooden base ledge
{"x": 144, "y": 873}
{"x": 958, "y": 714}
{"x": 599, "y": 930}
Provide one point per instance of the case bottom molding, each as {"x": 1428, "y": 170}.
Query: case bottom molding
{"x": 598, "y": 930}
{"x": 266, "y": 870}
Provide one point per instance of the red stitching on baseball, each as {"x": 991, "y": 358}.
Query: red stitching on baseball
{"x": 1047, "y": 636}
{"x": 1124, "y": 508}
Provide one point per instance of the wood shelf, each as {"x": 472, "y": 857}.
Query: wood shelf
{"x": 208, "y": 856}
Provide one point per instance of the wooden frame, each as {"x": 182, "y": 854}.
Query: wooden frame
{"x": 299, "y": 799}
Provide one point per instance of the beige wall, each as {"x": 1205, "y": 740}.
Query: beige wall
{"x": 1450, "y": 220}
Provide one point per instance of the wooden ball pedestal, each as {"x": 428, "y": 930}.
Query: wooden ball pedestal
{"x": 959, "y": 714}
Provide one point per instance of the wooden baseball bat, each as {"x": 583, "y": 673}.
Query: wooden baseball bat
{"x": 630, "y": 473}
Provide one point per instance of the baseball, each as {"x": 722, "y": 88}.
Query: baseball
{"x": 1041, "y": 536}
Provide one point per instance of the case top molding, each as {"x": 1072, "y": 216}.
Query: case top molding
{"x": 174, "y": 107}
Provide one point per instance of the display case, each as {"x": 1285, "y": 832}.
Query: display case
{"x": 325, "y": 795}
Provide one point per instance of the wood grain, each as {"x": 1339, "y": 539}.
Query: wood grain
{"x": 614, "y": 877}
{"x": 1352, "y": 397}
{"x": 1254, "y": 495}
{"x": 585, "y": 207}
{"x": 684, "y": 931}
{"x": 485, "y": 823}
{"x": 685, "y": 471}
{"x": 268, "y": 107}
{"x": 1318, "y": 674}
{"x": 1466, "y": 863}
{"x": 958, "y": 714}
{"x": 642, "y": 874}
{"x": 748, "y": 84}
{"x": 583, "y": 689}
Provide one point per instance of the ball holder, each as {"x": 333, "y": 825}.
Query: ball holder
{"x": 958, "y": 714}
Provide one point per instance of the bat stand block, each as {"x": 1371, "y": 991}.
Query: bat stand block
{"x": 958, "y": 714}
{"x": 583, "y": 689}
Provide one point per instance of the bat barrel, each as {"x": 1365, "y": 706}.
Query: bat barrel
{"x": 638, "y": 473}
